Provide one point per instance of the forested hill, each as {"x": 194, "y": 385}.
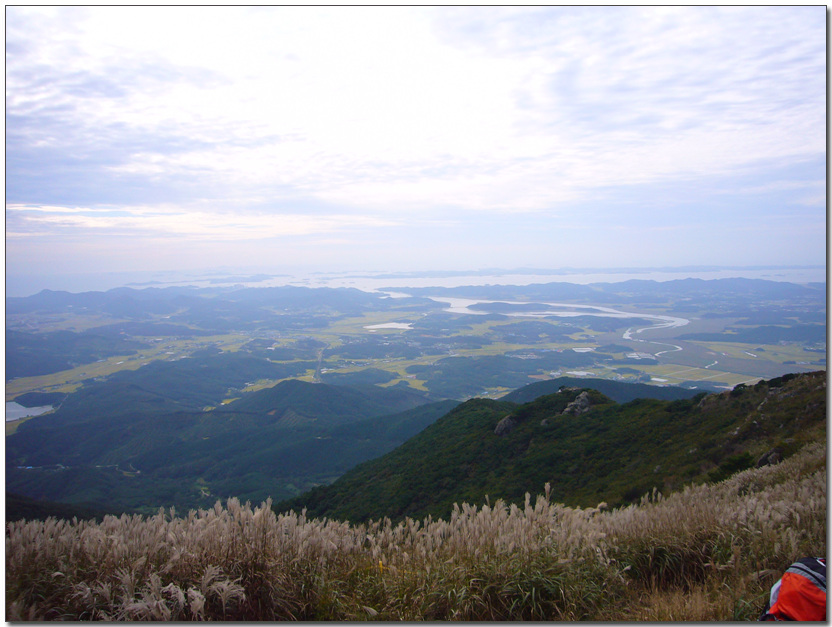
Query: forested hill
{"x": 616, "y": 390}
{"x": 126, "y": 453}
{"x": 589, "y": 448}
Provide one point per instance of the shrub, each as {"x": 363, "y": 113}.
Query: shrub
{"x": 732, "y": 465}
{"x": 708, "y": 552}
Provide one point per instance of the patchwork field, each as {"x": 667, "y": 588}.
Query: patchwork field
{"x": 720, "y": 339}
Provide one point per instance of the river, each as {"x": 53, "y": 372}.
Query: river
{"x": 563, "y": 310}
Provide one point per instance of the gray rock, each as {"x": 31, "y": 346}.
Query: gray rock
{"x": 579, "y": 406}
{"x": 774, "y": 456}
{"x": 505, "y": 425}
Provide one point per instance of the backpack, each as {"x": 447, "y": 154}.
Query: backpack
{"x": 801, "y": 592}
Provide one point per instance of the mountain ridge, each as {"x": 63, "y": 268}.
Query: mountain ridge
{"x": 614, "y": 452}
{"x": 616, "y": 390}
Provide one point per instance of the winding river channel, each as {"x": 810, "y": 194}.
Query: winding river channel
{"x": 564, "y": 310}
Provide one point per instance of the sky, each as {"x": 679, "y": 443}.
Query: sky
{"x": 407, "y": 138}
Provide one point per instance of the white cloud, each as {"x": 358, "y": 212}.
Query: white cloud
{"x": 253, "y": 123}
{"x": 194, "y": 224}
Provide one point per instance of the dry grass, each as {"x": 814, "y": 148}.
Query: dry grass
{"x": 707, "y": 553}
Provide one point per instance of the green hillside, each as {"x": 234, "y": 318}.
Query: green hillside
{"x": 615, "y": 390}
{"x": 613, "y": 452}
{"x": 274, "y": 443}
{"x": 705, "y": 554}
{"x": 24, "y": 508}
{"x": 333, "y": 403}
{"x": 187, "y": 384}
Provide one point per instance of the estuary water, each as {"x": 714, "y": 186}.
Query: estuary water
{"x": 15, "y": 411}
{"x": 26, "y": 285}
{"x": 563, "y": 310}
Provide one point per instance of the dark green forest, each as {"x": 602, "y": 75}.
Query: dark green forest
{"x": 613, "y": 452}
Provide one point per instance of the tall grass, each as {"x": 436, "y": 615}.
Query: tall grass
{"x": 706, "y": 553}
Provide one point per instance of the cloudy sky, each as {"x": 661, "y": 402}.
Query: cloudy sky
{"x": 154, "y": 138}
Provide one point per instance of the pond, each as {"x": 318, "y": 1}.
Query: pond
{"x": 15, "y": 411}
{"x": 390, "y": 325}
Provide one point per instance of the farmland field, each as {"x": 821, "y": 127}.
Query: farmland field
{"x": 340, "y": 332}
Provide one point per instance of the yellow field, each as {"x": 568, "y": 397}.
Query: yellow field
{"x": 674, "y": 374}
{"x": 11, "y": 427}
{"x": 69, "y": 380}
{"x": 59, "y": 322}
{"x": 356, "y": 325}
{"x": 261, "y": 384}
{"x": 770, "y": 352}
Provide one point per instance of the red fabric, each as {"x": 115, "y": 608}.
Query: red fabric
{"x": 799, "y": 599}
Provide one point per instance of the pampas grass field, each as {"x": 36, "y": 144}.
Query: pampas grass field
{"x": 709, "y": 552}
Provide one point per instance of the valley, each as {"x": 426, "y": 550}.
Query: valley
{"x": 710, "y": 347}
{"x": 395, "y": 449}
{"x": 160, "y": 395}
{"x": 432, "y": 313}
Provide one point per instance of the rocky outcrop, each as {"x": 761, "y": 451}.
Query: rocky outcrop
{"x": 580, "y": 405}
{"x": 505, "y": 425}
{"x": 774, "y": 456}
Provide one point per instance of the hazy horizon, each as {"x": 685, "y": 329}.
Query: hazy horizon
{"x": 175, "y": 139}
{"x": 370, "y": 280}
